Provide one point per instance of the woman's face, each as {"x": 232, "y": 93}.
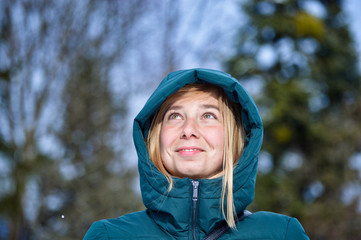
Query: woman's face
{"x": 192, "y": 137}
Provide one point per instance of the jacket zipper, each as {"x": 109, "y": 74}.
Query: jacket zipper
{"x": 195, "y": 200}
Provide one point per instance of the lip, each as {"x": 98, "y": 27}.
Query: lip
{"x": 189, "y": 151}
{"x": 189, "y": 148}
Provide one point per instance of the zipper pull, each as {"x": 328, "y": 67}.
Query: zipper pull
{"x": 195, "y": 190}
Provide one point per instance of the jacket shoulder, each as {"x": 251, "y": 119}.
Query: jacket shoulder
{"x": 137, "y": 225}
{"x": 96, "y": 231}
{"x": 268, "y": 225}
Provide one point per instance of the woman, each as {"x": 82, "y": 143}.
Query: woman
{"x": 198, "y": 139}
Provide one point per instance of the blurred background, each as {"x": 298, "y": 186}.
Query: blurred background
{"x": 73, "y": 75}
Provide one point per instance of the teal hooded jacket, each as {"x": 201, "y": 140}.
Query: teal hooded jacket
{"x": 191, "y": 210}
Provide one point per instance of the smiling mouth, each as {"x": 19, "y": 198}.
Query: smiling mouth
{"x": 190, "y": 150}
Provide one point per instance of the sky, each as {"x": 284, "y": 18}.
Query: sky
{"x": 352, "y": 7}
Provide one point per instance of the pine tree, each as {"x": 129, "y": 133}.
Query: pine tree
{"x": 305, "y": 65}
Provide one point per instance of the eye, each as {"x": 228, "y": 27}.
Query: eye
{"x": 209, "y": 116}
{"x": 174, "y": 116}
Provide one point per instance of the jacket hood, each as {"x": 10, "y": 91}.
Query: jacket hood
{"x": 172, "y": 210}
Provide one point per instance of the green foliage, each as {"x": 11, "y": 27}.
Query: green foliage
{"x": 310, "y": 104}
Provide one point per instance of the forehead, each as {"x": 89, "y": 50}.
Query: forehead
{"x": 196, "y": 98}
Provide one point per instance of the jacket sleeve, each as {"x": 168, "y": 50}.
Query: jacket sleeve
{"x": 295, "y": 231}
{"x": 97, "y": 231}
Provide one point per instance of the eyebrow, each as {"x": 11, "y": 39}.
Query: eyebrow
{"x": 176, "y": 107}
{"x": 210, "y": 106}
{"x": 204, "y": 106}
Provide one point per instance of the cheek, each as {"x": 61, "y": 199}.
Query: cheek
{"x": 165, "y": 137}
{"x": 217, "y": 137}
{"x": 220, "y": 141}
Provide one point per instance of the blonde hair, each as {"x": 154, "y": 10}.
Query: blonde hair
{"x": 233, "y": 144}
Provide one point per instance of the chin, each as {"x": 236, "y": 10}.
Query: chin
{"x": 189, "y": 174}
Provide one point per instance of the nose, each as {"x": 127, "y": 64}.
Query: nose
{"x": 190, "y": 129}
